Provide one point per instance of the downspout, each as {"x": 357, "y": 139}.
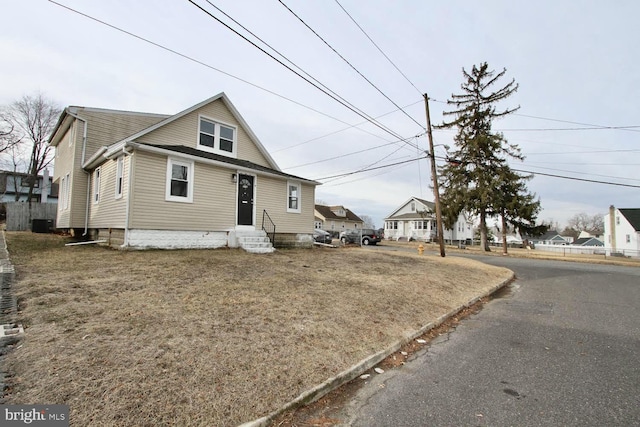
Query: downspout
{"x": 125, "y": 244}
{"x": 84, "y": 150}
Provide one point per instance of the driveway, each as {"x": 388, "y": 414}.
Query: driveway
{"x": 560, "y": 347}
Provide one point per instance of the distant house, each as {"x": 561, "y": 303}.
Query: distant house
{"x": 14, "y": 187}
{"x": 336, "y": 218}
{"x": 551, "y": 237}
{"x": 622, "y": 230}
{"x": 196, "y": 179}
{"x": 587, "y": 241}
{"x": 597, "y": 234}
{"x": 415, "y": 219}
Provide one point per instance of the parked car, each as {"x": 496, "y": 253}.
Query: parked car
{"x": 321, "y": 236}
{"x": 369, "y": 236}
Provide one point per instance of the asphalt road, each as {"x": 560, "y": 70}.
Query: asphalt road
{"x": 561, "y": 347}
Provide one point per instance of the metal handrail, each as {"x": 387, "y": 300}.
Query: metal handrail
{"x": 268, "y": 226}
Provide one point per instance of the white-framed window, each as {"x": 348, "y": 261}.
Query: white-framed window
{"x": 216, "y": 137}
{"x": 617, "y": 220}
{"x": 293, "y": 197}
{"x": 96, "y": 185}
{"x": 179, "y": 185}
{"x": 392, "y": 225}
{"x": 421, "y": 225}
{"x": 119, "y": 176}
{"x": 413, "y": 206}
{"x": 628, "y": 238}
{"x": 317, "y": 224}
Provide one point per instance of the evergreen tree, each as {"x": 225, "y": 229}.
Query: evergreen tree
{"x": 515, "y": 205}
{"x": 472, "y": 181}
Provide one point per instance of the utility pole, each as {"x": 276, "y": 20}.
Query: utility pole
{"x": 436, "y": 192}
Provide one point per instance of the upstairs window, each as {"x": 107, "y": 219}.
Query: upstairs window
{"x": 216, "y": 137}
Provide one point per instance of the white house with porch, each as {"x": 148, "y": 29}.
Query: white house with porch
{"x": 415, "y": 219}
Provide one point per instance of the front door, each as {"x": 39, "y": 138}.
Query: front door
{"x": 245, "y": 199}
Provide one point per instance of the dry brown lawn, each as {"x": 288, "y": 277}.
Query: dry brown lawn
{"x": 211, "y": 337}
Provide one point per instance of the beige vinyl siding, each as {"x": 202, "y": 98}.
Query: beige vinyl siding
{"x": 214, "y": 197}
{"x": 109, "y": 212}
{"x": 184, "y": 131}
{"x": 108, "y": 127}
{"x": 272, "y": 196}
{"x": 104, "y": 128}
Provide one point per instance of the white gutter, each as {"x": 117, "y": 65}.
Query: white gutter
{"x": 125, "y": 244}
{"x": 165, "y": 152}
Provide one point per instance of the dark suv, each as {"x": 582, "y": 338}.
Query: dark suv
{"x": 369, "y": 236}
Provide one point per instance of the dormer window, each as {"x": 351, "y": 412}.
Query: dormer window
{"x": 216, "y": 137}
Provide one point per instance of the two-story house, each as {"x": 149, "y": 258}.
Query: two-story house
{"x": 196, "y": 179}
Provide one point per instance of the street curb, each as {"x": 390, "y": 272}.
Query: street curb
{"x": 359, "y": 368}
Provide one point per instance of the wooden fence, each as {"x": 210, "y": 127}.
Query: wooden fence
{"x": 18, "y": 218}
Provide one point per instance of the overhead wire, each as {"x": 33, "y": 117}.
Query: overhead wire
{"x": 344, "y": 129}
{"x": 349, "y": 63}
{"x": 199, "y": 62}
{"x": 379, "y": 49}
{"x": 344, "y": 103}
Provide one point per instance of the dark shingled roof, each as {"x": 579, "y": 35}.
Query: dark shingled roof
{"x": 224, "y": 159}
{"x": 633, "y": 216}
{"x": 326, "y": 212}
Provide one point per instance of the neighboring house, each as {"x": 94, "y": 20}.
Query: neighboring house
{"x": 14, "y": 187}
{"x": 596, "y": 234}
{"x": 587, "y": 241}
{"x": 622, "y": 230}
{"x": 199, "y": 178}
{"x": 415, "y": 219}
{"x": 336, "y": 219}
{"x": 551, "y": 237}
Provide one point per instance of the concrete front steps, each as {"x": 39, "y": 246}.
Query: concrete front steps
{"x": 254, "y": 241}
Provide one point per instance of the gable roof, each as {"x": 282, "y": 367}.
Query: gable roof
{"x": 588, "y": 241}
{"x": 223, "y": 97}
{"x": 430, "y": 205}
{"x": 216, "y": 158}
{"x": 632, "y": 216}
{"x": 72, "y": 112}
{"x": 326, "y": 212}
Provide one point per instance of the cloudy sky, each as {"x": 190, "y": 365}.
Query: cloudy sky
{"x": 576, "y": 62}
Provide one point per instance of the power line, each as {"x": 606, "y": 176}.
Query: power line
{"x": 199, "y": 62}
{"x": 182, "y": 55}
{"x": 347, "y": 128}
{"x": 371, "y": 169}
{"x": 349, "y": 63}
{"x": 583, "y": 173}
{"x": 379, "y": 49}
{"x": 573, "y": 123}
{"x": 341, "y": 156}
{"x": 334, "y": 97}
{"x": 578, "y": 179}
{"x": 570, "y": 129}
{"x": 284, "y": 57}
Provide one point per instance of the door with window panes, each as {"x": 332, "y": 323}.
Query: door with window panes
{"x": 245, "y": 199}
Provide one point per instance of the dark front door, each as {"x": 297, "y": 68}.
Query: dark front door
{"x": 245, "y": 200}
